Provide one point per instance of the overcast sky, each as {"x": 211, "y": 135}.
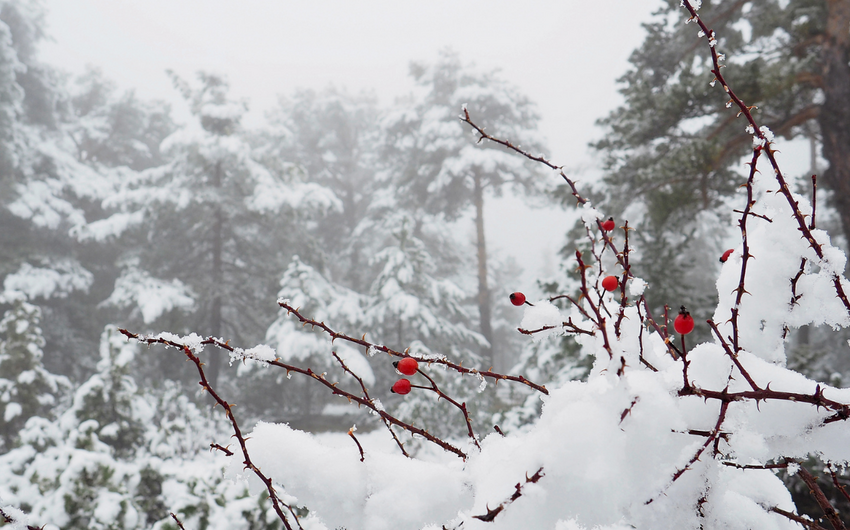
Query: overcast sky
{"x": 565, "y": 55}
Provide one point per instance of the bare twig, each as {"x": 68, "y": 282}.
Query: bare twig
{"x": 359, "y": 447}
{"x": 493, "y": 512}
{"x": 828, "y": 510}
{"x": 366, "y": 395}
{"x": 277, "y": 503}
{"x": 363, "y": 342}
{"x": 176, "y": 520}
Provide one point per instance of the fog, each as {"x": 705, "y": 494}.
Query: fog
{"x": 564, "y": 55}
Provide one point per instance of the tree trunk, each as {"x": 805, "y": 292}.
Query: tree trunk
{"x": 483, "y": 288}
{"x": 217, "y": 274}
{"x": 834, "y": 118}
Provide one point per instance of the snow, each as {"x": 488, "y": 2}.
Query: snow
{"x": 13, "y": 410}
{"x": 542, "y": 314}
{"x": 152, "y": 297}
{"x": 58, "y": 280}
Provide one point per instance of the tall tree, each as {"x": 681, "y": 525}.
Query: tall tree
{"x": 331, "y": 137}
{"x": 209, "y": 231}
{"x": 435, "y": 165}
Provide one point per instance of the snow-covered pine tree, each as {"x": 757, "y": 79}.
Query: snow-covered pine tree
{"x": 207, "y": 232}
{"x": 435, "y": 168}
{"x": 26, "y": 388}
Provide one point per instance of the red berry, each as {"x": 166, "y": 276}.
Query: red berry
{"x": 608, "y": 225}
{"x": 726, "y": 255}
{"x": 517, "y": 299}
{"x": 610, "y": 283}
{"x": 407, "y": 366}
{"x": 684, "y": 322}
{"x": 402, "y": 386}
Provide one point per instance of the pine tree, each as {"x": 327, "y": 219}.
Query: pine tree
{"x": 26, "y": 388}
{"x": 435, "y": 165}
{"x": 207, "y": 231}
{"x": 331, "y": 137}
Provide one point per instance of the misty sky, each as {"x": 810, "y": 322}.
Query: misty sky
{"x": 565, "y": 55}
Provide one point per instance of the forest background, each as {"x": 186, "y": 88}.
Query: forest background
{"x": 365, "y": 213}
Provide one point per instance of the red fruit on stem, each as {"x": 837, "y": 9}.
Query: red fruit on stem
{"x": 402, "y": 386}
{"x": 610, "y": 283}
{"x": 726, "y": 255}
{"x": 517, "y": 299}
{"x": 684, "y": 322}
{"x": 407, "y": 366}
{"x": 608, "y": 225}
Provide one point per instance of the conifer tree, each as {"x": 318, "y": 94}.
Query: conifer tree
{"x": 26, "y": 388}
{"x": 206, "y": 232}
{"x": 435, "y": 166}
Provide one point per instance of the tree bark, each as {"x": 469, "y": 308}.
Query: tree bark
{"x": 483, "y": 287}
{"x": 217, "y": 275}
{"x": 834, "y": 118}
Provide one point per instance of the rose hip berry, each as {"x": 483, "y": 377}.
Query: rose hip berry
{"x": 726, "y": 255}
{"x": 402, "y": 386}
{"x": 684, "y": 322}
{"x": 608, "y": 225}
{"x": 610, "y": 283}
{"x": 518, "y": 299}
{"x": 407, "y": 366}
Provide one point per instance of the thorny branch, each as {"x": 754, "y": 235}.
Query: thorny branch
{"x": 828, "y": 510}
{"x": 335, "y": 390}
{"x": 277, "y": 503}
{"x": 493, "y": 512}
{"x": 783, "y": 184}
{"x": 428, "y": 360}
{"x": 366, "y": 395}
{"x": 8, "y": 519}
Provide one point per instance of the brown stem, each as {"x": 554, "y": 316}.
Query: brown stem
{"x": 363, "y": 342}
{"x": 493, "y": 512}
{"x": 205, "y": 384}
{"x": 828, "y": 510}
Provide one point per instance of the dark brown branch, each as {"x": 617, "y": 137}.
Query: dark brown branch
{"x": 249, "y": 464}
{"x": 783, "y": 184}
{"x": 363, "y": 342}
{"x": 492, "y": 513}
{"x": 837, "y": 484}
{"x": 828, "y": 510}
{"x": 732, "y": 355}
{"x": 808, "y": 523}
{"x": 366, "y": 395}
{"x": 722, "y": 416}
{"x": 321, "y": 379}
{"x": 224, "y": 450}
{"x": 460, "y": 406}
{"x": 176, "y": 520}
{"x": 359, "y": 447}
{"x": 8, "y": 519}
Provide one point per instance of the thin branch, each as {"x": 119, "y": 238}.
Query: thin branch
{"x": 363, "y": 342}
{"x": 359, "y": 447}
{"x": 808, "y": 523}
{"x": 277, "y": 503}
{"x": 366, "y": 395}
{"x": 176, "y": 520}
{"x": 492, "y": 513}
{"x": 828, "y": 510}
